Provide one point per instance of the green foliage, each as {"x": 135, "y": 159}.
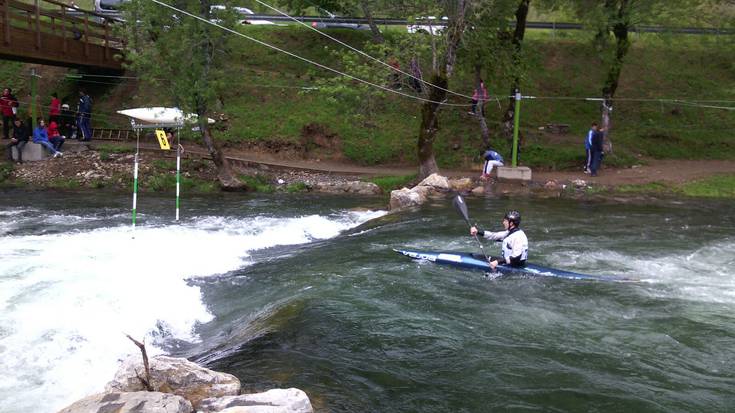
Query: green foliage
{"x": 165, "y": 164}
{"x": 297, "y": 187}
{"x": 722, "y": 186}
{"x": 63, "y": 183}
{"x": 259, "y": 183}
{"x": 6, "y": 169}
{"x": 389, "y": 183}
{"x": 655, "y": 187}
{"x": 106, "y": 149}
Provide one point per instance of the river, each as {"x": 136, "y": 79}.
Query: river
{"x": 304, "y": 290}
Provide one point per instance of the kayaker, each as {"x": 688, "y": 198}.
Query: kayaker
{"x": 515, "y": 244}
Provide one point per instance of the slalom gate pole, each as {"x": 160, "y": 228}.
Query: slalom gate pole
{"x": 135, "y": 176}
{"x": 178, "y": 169}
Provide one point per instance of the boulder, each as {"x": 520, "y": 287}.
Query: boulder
{"x": 402, "y": 198}
{"x": 551, "y": 184}
{"x": 141, "y": 401}
{"x": 175, "y": 375}
{"x": 579, "y": 183}
{"x": 461, "y": 185}
{"x": 273, "y": 401}
{"x": 436, "y": 181}
{"x": 480, "y": 190}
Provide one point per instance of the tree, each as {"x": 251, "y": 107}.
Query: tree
{"x": 184, "y": 56}
{"x": 516, "y": 40}
{"x": 441, "y": 72}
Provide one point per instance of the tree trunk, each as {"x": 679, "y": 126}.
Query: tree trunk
{"x": 374, "y": 29}
{"x": 429, "y": 126}
{"x": 484, "y": 131}
{"x": 440, "y": 77}
{"x": 622, "y": 45}
{"x": 518, "y": 34}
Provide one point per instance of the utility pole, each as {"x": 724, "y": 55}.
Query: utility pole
{"x": 516, "y": 121}
{"x": 34, "y": 96}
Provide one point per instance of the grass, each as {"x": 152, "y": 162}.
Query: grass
{"x": 721, "y": 186}
{"x": 6, "y": 169}
{"x": 297, "y": 187}
{"x": 264, "y": 101}
{"x": 389, "y": 183}
{"x": 258, "y": 183}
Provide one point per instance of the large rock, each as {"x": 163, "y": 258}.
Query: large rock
{"x": 142, "y": 401}
{"x": 175, "y": 375}
{"x": 461, "y": 185}
{"x": 402, "y": 198}
{"x": 273, "y": 401}
{"x": 436, "y": 181}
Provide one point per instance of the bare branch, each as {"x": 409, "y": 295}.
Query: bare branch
{"x": 147, "y": 380}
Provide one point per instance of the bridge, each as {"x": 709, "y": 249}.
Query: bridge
{"x": 52, "y": 33}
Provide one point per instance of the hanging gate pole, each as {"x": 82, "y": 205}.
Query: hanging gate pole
{"x": 178, "y": 170}
{"x": 135, "y": 175}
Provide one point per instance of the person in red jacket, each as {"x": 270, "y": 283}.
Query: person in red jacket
{"x": 54, "y": 109}
{"x": 8, "y": 107}
{"x": 54, "y": 136}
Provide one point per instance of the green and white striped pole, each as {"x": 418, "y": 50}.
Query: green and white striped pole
{"x": 178, "y": 170}
{"x": 135, "y": 176}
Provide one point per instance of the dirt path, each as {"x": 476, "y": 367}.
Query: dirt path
{"x": 664, "y": 171}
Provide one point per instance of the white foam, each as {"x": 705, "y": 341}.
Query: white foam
{"x": 66, "y": 300}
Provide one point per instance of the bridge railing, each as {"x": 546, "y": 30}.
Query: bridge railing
{"x": 49, "y": 17}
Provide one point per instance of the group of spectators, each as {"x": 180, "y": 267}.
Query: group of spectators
{"x": 62, "y": 124}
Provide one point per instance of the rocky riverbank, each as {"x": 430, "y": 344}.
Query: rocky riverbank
{"x": 176, "y": 385}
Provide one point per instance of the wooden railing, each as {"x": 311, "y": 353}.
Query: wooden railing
{"x": 44, "y": 31}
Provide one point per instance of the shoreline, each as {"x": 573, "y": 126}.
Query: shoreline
{"x": 108, "y": 166}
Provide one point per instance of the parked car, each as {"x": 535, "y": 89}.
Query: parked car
{"x": 329, "y": 23}
{"x": 107, "y": 6}
{"x": 428, "y": 25}
{"x": 243, "y": 11}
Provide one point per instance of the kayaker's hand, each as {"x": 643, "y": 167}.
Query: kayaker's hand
{"x": 473, "y": 231}
{"x": 493, "y": 264}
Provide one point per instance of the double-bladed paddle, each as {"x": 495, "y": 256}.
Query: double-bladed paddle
{"x": 461, "y": 207}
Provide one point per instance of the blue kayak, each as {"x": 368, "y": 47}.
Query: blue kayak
{"x": 478, "y": 262}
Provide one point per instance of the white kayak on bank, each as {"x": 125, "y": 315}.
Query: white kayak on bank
{"x": 160, "y": 116}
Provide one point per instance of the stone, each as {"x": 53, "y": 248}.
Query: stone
{"x": 552, "y": 184}
{"x": 130, "y": 402}
{"x": 175, "y": 375}
{"x": 520, "y": 173}
{"x": 461, "y": 185}
{"x": 404, "y": 197}
{"x": 353, "y": 187}
{"x": 31, "y": 152}
{"x": 579, "y": 183}
{"x": 272, "y": 401}
{"x": 437, "y": 181}
{"x": 480, "y": 190}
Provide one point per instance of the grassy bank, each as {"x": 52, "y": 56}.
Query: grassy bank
{"x": 269, "y": 98}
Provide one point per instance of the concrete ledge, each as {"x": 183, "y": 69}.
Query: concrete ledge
{"x": 520, "y": 173}
{"x": 31, "y": 152}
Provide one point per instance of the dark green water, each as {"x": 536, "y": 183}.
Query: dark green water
{"x": 360, "y": 328}
{"x": 292, "y": 291}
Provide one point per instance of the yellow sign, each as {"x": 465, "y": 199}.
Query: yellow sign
{"x": 162, "y": 140}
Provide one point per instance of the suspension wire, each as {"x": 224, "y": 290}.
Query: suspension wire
{"x": 262, "y": 43}
{"x": 360, "y": 51}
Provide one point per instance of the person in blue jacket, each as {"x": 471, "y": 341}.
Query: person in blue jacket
{"x": 588, "y": 147}
{"x": 597, "y": 150}
{"x": 40, "y": 136}
{"x": 492, "y": 159}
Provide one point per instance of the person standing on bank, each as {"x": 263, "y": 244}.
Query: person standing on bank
{"x": 9, "y": 108}
{"x": 84, "y": 114}
{"x": 596, "y": 149}
{"x": 588, "y": 147}
{"x": 514, "y": 242}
